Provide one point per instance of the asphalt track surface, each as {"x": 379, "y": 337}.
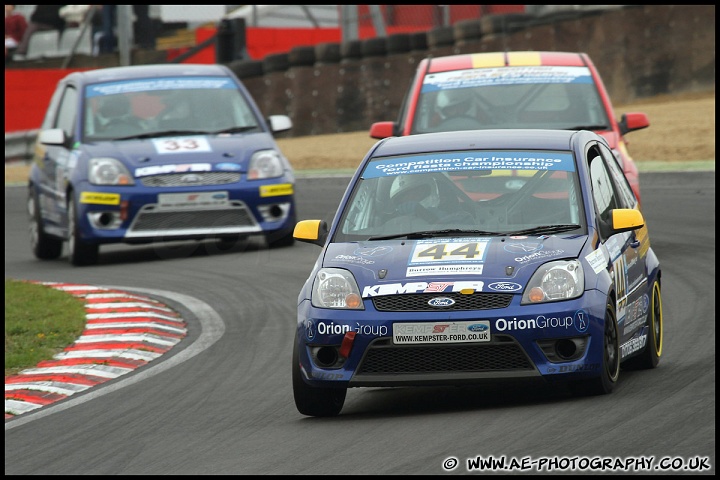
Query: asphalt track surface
{"x": 220, "y": 401}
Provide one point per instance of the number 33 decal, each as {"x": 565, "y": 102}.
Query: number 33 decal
{"x": 182, "y": 144}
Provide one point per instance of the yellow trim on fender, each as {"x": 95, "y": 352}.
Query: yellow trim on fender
{"x": 524, "y": 59}
{"x": 100, "y": 198}
{"x": 276, "y": 190}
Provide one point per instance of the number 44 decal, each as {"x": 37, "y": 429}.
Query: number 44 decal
{"x": 449, "y": 251}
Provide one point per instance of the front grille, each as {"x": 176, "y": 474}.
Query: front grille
{"x": 199, "y": 179}
{"x": 418, "y": 302}
{"x": 502, "y": 354}
{"x": 234, "y": 218}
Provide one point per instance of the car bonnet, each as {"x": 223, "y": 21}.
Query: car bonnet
{"x": 205, "y": 152}
{"x": 406, "y": 266}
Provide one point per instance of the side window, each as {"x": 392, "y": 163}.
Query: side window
{"x": 67, "y": 112}
{"x": 626, "y": 197}
{"x": 51, "y": 113}
{"x": 358, "y": 215}
{"x": 423, "y": 112}
{"x": 602, "y": 186}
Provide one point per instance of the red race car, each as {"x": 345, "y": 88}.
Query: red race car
{"x": 538, "y": 90}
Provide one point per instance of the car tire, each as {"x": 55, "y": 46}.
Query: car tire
{"x": 467, "y": 30}
{"x": 44, "y": 246}
{"x": 247, "y": 68}
{"x": 650, "y": 356}
{"x": 314, "y": 401}
{"x": 79, "y": 252}
{"x": 327, "y": 52}
{"x": 302, "y": 56}
{"x": 610, "y": 368}
{"x": 374, "y": 47}
{"x": 351, "y": 50}
{"x": 443, "y": 36}
{"x": 418, "y": 41}
{"x": 276, "y": 62}
{"x": 398, "y": 43}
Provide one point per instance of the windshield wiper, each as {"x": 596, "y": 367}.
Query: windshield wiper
{"x": 436, "y": 233}
{"x": 173, "y": 133}
{"x": 236, "y": 129}
{"x": 166, "y": 133}
{"x": 589, "y": 127}
{"x": 545, "y": 229}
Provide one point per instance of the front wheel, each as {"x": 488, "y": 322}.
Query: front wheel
{"x": 44, "y": 246}
{"x": 610, "y": 369}
{"x": 314, "y": 401}
{"x": 79, "y": 252}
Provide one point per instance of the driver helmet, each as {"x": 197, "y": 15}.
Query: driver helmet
{"x": 454, "y": 103}
{"x": 116, "y": 106}
{"x": 416, "y": 188}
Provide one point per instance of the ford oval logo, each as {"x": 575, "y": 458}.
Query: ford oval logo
{"x": 478, "y": 327}
{"x": 505, "y": 286}
{"x": 228, "y": 166}
{"x": 441, "y": 302}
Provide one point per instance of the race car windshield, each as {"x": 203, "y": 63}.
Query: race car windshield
{"x": 541, "y": 97}
{"x": 456, "y": 194}
{"x": 162, "y": 107}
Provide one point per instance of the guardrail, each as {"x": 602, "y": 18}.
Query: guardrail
{"x": 20, "y": 145}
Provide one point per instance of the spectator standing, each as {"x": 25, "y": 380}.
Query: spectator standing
{"x": 45, "y": 17}
{"x": 74, "y": 15}
{"x": 15, "y": 26}
{"x": 106, "y": 38}
{"x": 143, "y": 28}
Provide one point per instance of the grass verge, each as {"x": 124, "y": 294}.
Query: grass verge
{"x": 40, "y": 321}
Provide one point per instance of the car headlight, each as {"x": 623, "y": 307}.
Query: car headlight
{"x": 108, "y": 171}
{"x": 559, "y": 280}
{"x": 336, "y": 288}
{"x": 265, "y": 164}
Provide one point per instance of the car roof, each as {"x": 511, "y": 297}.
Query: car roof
{"x": 505, "y": 59}
{"x": 146, "y": 71}
{"x": 501, "y": 139}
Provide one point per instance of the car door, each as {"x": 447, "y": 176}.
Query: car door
{"x": 56, "y": 160}
{"x": 627, "y": 250}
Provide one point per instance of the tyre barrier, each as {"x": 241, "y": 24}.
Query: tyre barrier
{"x": 276, "y": 62}
{"x": 303, "y": 56}
{"x": 493, "y": 31}
{"x": 327, "y": 52}
{"x": 398, "y": 43}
